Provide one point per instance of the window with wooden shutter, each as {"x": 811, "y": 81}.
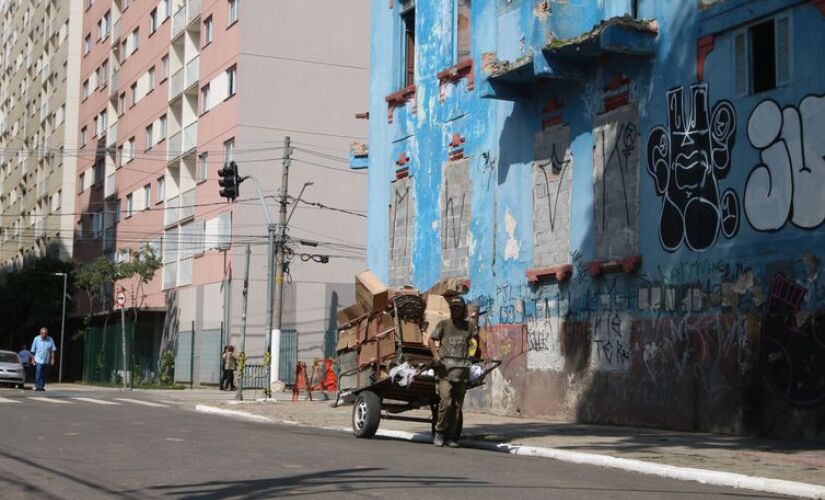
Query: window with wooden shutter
{"x": 740, "y": 56}
{"x": 783, "y": 51}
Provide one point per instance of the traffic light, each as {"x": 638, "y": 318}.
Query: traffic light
{"x": 229, "y": 180}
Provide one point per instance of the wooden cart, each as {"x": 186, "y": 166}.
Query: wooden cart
{"x": 376, "y": 394}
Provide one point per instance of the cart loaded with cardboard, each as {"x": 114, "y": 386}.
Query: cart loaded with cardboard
{"x": 384, "y": 360}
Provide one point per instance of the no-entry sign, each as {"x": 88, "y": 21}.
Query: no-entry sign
{"x": 120, "y": 298}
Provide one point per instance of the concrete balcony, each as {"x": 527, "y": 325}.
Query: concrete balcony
{"x": 192, "y": 72}
{"x": 110, "y": 187}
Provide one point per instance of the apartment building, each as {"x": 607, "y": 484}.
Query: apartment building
{"x": 173, "y": 89}
{"x": 39, "y": 90}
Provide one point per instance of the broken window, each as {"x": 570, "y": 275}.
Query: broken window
{"x": 408, "y": 25}
{"x": 462, "y": 30}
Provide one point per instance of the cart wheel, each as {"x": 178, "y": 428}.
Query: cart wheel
{"x": 366, "y": 414}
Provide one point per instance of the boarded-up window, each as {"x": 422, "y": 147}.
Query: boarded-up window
{"x": 402, "y": 230}
{"x": 552, "y": 175}
{"x": 456, "y": 212}
{"x": 462, "y": 29}
{"x": 616, "y": 183}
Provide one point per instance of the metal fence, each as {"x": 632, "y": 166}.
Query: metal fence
{"x": 103, "y": 353}
{"x": 255, "y": 377}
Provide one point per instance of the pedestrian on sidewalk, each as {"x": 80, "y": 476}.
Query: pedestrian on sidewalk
{"x": 230, "y": 362}
{"x": 43, "y": 350}
{"x": 25, "y": 356}
{"x": 452, "y": 358}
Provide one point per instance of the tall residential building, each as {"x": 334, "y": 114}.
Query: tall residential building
{"x": 39, "y": 88}
{"x": 173, "y": 89}
{"x": 635, "y": 190}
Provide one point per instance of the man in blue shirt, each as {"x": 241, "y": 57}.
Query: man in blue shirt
{"x": 43, "y": 349}
{"x": 25, "y": 356}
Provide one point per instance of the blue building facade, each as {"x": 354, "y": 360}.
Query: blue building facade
{"x": 635, "y": 190}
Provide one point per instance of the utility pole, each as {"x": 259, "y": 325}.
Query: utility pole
{"x": 239, "y": 394}
{"x": 276, "y": 316}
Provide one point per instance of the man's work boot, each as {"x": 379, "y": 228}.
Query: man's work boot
{"x": 438, "y": 439}
{"x": 452, "y": 443}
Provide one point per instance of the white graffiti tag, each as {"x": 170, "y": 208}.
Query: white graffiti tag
{"x": 789, "y": 184}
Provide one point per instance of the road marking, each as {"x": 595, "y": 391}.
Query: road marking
{"x": 175, "y": 440}
{"x": 7, "y": 400}
{"x": 51, "y": 400}
{"x": 144, "y": 403}
{"x": 97, "y": 401}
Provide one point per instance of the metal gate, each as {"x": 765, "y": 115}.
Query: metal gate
{"x": 201, "y": 365}
{"x": 288, "y": 356}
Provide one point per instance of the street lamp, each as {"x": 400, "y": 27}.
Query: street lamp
{"x": 62, "y": 325}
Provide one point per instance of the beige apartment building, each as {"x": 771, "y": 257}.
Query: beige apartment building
{"x": 171, "y": 90}
{"x": 39, "y": 90}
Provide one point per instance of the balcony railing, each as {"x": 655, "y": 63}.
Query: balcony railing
{"x": 110, "y": 188}
{"x": 176, "y": 87}
{"x": 193, "y": 10}
{"x": 109, "y": 240}
{"x": 190, "y": 137}
{"x": 114, "y": 83}
{"x": 192, "y": 72}
{"x": 179, "y": 21}
{"x": 111, "y": 136}
{"x": 173, "y": 147}
{"x": 116, "y": 31}
{"x": 171, "y": 211}
{"x": 187, "y": 205}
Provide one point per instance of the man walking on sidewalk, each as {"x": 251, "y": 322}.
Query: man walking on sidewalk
{"x": 454, "y": 336}
{"x": 43, "y": 350}
{"x": 25, "y": 356}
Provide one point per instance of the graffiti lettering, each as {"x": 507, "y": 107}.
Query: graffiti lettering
{"x": 790, "y": 182}
{"x": 686, "y": 160}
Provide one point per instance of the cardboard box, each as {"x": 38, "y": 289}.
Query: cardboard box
{"x": 349, "y": 337}
{"x": 347, "y": 361}
{"x": 376, "y": 349}
{"x": 410, "y": 332}
{"x": 348, "y": 382}
{"x": 437, "y": 309}
{"x": 368, "y": 376}
{"x": 350, "y": 313}
{"x": 395, "y": 291}
{"x": 370, "y": 292}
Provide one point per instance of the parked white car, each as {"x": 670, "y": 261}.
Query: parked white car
{"x": 11, "y": 370}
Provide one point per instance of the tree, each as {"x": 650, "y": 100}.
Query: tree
{"x": 99, "y": 278}
{"x": 32, "y": 298}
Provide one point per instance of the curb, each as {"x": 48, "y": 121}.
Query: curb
{"x": 703, "y": 476}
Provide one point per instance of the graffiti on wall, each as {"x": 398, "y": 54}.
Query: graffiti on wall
{"x": 687, "y": 159}
{"x": 789, "y": 183}
{"x": 456, "y": 206}
{"x": 402, "y": 224}
{"x": 616, "y": 183}
{"x": 552, "y": 180}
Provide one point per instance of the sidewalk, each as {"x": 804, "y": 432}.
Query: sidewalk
{"x": 790, "y": 461}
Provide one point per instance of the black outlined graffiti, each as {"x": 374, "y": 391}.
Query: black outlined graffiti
{"x": 616, "y": 183}
{"x": 789, "y": 183}
{"x": 454, "y": 223}
{"x": 686, "y": 160}
{"x": 402, "y": 223}
{"x": 558, "y": 167}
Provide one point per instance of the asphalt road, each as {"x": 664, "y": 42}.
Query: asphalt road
{"x": 83, "y": 448}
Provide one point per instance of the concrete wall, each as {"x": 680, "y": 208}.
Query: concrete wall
{"x": 694, "y": 234}
{"x": 304, "y": 73}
